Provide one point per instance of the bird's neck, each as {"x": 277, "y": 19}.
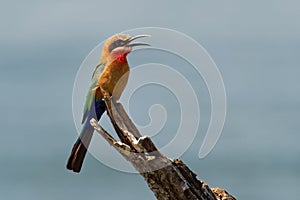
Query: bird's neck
{"x": 122, "y": 58}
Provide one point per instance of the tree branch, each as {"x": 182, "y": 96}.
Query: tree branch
{"x": 168, "y": 179}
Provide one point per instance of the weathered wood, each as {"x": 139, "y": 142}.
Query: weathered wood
{"x": 222, "y": 194}
{"x": 168, "y": 179}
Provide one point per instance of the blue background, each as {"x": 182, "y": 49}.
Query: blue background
{"x": 255, "y": 45}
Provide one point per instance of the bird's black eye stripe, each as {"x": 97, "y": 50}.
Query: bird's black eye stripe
{"x": 115, "y": 44}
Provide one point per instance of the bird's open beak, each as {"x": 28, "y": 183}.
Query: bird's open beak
{"x": 128, "y": 44}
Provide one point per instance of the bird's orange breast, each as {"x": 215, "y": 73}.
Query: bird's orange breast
{"x": 113, "y": 79}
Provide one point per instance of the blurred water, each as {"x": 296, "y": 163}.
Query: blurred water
{"x": 256, "y": 46}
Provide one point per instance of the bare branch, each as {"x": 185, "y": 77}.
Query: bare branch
{"x": 168, "y": 179}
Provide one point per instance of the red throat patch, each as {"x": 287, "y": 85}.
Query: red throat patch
{"x": 122, "y": 57}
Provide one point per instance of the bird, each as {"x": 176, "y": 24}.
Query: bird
{"x": 110, "y": 75}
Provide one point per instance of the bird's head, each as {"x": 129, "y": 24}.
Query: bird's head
{"x": 118, "y": 46}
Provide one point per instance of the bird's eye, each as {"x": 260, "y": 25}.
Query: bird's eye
{"x": 115, "y": 44}
{"x": 118, "y": 43}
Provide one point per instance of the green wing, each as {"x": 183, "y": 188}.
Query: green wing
{"x": 90, "y": 97}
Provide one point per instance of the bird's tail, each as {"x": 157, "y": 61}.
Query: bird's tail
{"x": 82, "y": 143}
{"x": 80, "y": 148}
